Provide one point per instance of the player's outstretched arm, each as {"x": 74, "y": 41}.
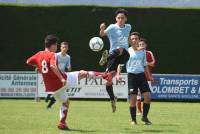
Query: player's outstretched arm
{"x": 102, "y": 29}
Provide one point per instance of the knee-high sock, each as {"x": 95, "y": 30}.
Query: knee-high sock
{"x": 48, "y": 97}
{"x": 139, "y": 106}
{"x": 52, "y": 101}
{"x": 110, "y": 92}
{"x": 63, "y": 113}
{"x": 133, "y": 113}
{"x": 146, "y": 108}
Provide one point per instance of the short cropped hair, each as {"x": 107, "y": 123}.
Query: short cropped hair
{"x": 64, "y": 43}
{"x": 143, "y": 39}
{"x": 49, "y": 40}
{"x": 136, "y": 33}
{"x": 120, "y": 10}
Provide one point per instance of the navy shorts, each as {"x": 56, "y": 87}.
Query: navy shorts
{"x": 122, "y": 59}
{"x": 137, "y": 81}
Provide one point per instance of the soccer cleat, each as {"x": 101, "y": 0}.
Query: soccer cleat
{"x": 48, "y": 108}
{"x": 104, "y": 58}
{"x": 146, "y": 121}
{"x": 133, "y": 122}
{"x": 113, "y": 104}
{"x": 139, "y": 113}
{"x": 62, "y": 126}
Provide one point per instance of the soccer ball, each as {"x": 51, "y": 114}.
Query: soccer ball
{"x": 96, "y": 44}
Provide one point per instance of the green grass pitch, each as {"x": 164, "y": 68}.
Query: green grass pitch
{"x": 95, "y": 117}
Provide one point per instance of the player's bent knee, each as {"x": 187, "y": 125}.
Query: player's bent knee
{"x": 82, "y": 74}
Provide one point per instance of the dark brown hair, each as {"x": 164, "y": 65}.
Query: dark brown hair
{"x": 120, "y": 10}
{"x": 64, "y": 43}
{"x": 136, "y": 33}
{"x": 50, "y": 40}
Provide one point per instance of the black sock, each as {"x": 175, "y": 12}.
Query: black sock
{"x": 146, "y": 108}
{"x": 133, "y": 113}
{"x": 52, "y": 101}
{"x": 110, "y": 92}
{"x": 114, "y": 54}
{"x": 48, "y": 97}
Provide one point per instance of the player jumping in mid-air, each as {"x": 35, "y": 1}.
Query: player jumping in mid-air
{"x": 57, "y": 82}
{"x": 118, "y": 35}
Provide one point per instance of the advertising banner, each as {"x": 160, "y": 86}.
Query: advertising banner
{"x": 18, "y": 84}
{"x": 91, "y": 88}
{"x": 175, "y": 86}
{"x": 165, "y": 86}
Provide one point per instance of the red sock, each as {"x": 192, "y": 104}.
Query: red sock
{"x": 139, "y": 107}
{"x": 106, "y": 76}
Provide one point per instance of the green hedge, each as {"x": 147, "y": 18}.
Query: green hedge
{"x": 173, "y": 34}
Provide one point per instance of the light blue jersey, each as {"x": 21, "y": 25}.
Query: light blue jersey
{"x": 136, "y": 62}
{"x": 63, "y": 61}
{"x": 118, "y": 36}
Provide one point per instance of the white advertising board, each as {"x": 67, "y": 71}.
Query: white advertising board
{"x": 91, "y": 88}
{"x": 166, "y": 86}
{"x": 18, "y": 84}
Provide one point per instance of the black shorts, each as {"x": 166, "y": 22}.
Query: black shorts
{"x": 122, "y": 59}
{"x": 137, "y": 81}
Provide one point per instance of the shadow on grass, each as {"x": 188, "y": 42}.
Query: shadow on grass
{"x": 131, "y": 131}
{"x": 104, "y": 131}
{"x": 159, "y": 131}
{"x": 152, "y": 130}
{"x": 163, "y": 129}
{"x": 169, "y": 125}
{"x": 81, "y": 131}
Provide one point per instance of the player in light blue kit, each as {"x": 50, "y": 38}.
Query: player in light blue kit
{"x": 64, "y": 65}
{"x": 135, "y": 67}
{"x": 118, "y": 35}
{"x": 64, "y": 60}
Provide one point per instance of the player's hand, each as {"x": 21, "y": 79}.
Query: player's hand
{"x": 63, "y": 82}
{"x": 37, "y": 70}
{"x": 103, "y": 26}
{"x": 152, "y": 79}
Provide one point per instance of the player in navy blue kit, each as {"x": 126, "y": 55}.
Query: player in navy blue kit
{"x": 118, "y": 35}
